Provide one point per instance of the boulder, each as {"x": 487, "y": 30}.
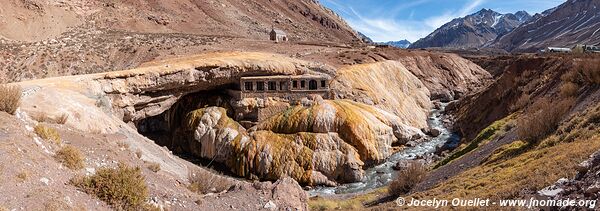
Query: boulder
{"x": 435, "y": 132}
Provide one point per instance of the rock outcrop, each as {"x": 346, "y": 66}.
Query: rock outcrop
{"x": 368, "y": 129}
{"x": 309, "y": 158}
{"x": 387, "y": 85}
{"x": 447, "y": 76}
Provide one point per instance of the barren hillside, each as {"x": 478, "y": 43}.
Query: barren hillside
{"x": 304, "y": 20}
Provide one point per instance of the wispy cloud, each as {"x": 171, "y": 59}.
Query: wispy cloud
{"x": 386, "y": 26}
{"x": 388, "y": 20}
{"x": 437, "y": 21}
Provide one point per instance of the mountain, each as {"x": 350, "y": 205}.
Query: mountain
{"x": 573, "y": 22}
{"x": 399, "y": 44}
{"x": 364, "y": 38}
{"x": 474, "y": 30}
{"x": 302, "y": 20}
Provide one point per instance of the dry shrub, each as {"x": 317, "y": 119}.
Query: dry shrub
{"x": 22, "y": 176}
{"x": 154, "y": 167}
{"x": 590, "y": 69}
{"x": 204, "y": 181}
{"x": 43, "y": 117}
{"x": 569, "y": 89}
{"x": 542, "y": 118}
{"x": 10, "y": 98}
{"x": 407, "y": 179}
{"x": 522, "y": 102}
{"x": 570, "y": 76}
{"x": 123, "y": 188}
{"x": 62, "y": 119}
{"x": 71, "y": 157}
{"x": 47, "y": 133}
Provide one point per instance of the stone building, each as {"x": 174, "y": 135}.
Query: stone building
{"x": 284, "y": 86}
{"x": 278, "y": 35}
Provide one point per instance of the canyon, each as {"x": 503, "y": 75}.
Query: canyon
{"x": 159, "y": 87}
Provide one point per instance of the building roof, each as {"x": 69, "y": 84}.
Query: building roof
{"x": 305, "y": 76}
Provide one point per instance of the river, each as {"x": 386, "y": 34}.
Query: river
{"x": 382, "y": 174}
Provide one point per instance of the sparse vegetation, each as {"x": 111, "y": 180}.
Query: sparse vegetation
{"x": 543, "y": 118}
{"x": 123, "y": 188}
{"x": 10, "y": 98}
{"x": 508, "y": 151}
{"x": 522, "y": 102}
{"x": 531, "y": 170}
{"x": 154, "y": 167}
{"x": 485, "y": 135}
{"x": 569, "y": 89}
{"x": 22, "y": 176}
{"x": 407, "y": 179}
{"x": 62, "y": 119}
{"x": 47, "y": 133}
{"x": 123, "y": 145}
{"x": 71, "y": 157}
{"x": 204, "y": 181}
{"x": 355, "y": 203}
{"x": 43, "y": 117}
{"x": 590, "y": 69}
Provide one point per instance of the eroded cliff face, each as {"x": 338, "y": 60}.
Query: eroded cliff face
{"x": 309, "y": 158}
{"x": 447, "y": 76}
{"x": 321, "y": 142}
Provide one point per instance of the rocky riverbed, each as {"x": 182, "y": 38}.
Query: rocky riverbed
{"x": 382, "y": 174}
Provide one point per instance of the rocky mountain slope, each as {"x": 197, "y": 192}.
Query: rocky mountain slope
{"x": 399, "y": 44}
{"x": 573, "y": 22}
{"x": 473, "y": 31}
{"x": 304, "y": 20}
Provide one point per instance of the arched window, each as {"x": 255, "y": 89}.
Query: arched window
{"x": 312, "y": 85}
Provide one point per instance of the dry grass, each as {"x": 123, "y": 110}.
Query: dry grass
{"x": 154, "y": 167}
{"x": 522, "y": 102}
{"x": 569, "y": 89}
{"x": 47, "y": 133}
{"x": 71, "y": 157}
{"x": 532, "y": 170}
{"x": 542, "y": 118}
{"x": 407, "y": 179}
{"x": 590, "y": 69}
{"x": 62, "y": 119}
{"x": 22, "y": 176}
{"x": 10, "y": 98}
{"x": 123, "y": 188}
{"x": 43, "y": 117}
{"x": 204, "y": 181}
{"x": 354, "y": 203}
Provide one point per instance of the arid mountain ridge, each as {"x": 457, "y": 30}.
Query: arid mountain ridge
{"x": 304, "y": 20}
{"x": 473, "y": 31}
{"x": 573, "y": 22}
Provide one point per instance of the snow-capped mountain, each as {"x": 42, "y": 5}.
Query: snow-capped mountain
{"x": 474, "y": 30}
{"x": 573, "y": 22}
{"x": 399, "y": 44}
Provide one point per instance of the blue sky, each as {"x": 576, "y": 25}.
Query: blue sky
{"x": 387, "y": 20}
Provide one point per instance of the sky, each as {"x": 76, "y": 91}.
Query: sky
{"x": 392, "y": 20}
